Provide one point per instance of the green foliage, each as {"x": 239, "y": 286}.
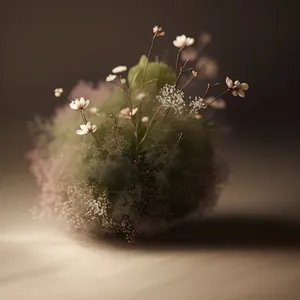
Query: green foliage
{"x": 157, "y": 75}
{"x": 129, "y": 172}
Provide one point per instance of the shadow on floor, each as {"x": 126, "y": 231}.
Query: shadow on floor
{"x": 230, "y": 232}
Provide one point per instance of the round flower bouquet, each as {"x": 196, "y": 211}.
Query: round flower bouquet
{"x": 132, "y": 156}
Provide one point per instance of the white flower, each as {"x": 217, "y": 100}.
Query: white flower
{"x": 171, "y": 98}
{"x": 158, "y": 31}
{"x": 58, "y": 92}
{"x": 141, "y": 96}
{"x": 123, "y": 80}
{"x": 197, "y": 104}
{"x": 126, "y": 113}
{"x": 79, "y": 104}
{"x": 145, "y": 119}
{"x": 94, "y": 110}
{"x": 111, "y": 77}
{"x": 237, "y": 88}
{"x": 87, "y": 128}
{"x": 195, "y": 73}
{"x": 217, "y": 104}
{"x": 182, "y": 41}
{"x": 119, "y": 69}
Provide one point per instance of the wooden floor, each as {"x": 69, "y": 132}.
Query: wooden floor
{"x": 247, "y": 250}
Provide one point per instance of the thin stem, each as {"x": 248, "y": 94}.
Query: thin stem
{"x": 177, "y": 142}
{"x": 189, "y": 81}
{"x": 209, "y": 86}
{"x": 67, "y": 100}
{"x": 217, "y": 97}
{"x": 148, "y": 128}
{"x": 177, "y": 59}
{"x": 182, "y": 71}
{"x": 147, "y": 63}
{"x": 120, "y": 86}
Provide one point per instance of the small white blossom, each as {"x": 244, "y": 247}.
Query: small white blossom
{"x": 141, "y": 96}
{"x": 195, "y": 73}
{"x": 123, "y": 80}
{"x": 111, "y": 77}
{"x": 119, "y": 69}
{"x": 182, "y": 41}
{"x": 58, "y": 92}
{"x": 158, "y": 31}
{"x": 145, "y": 119}
{"x": 79, "y": 104}
{"x": 171, "y": 97}
{"x": 237, "y": 88}
{"x": 126, "y": 113}
{"x": 86, "y": 128}
{"x": 218, "y": 104}
{"x": 197, "y": 104}
{"x": 94, "y": 110}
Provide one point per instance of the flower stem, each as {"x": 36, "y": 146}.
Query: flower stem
{"x": 177, "y": 59}
{"x": 209, "y": 86}
{"x": 189, "y": 81}
{"x": 217, "y": 97}
{"x": 147, "y": 63}
{"x": 182, "y": 71}
{"x": 85, "y": 121}
{"x": 148, "y": 128}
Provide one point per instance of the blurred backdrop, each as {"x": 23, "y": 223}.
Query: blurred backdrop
{"x": 48, "y": 44}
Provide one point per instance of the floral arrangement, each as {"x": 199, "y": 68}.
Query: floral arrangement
{"x": 141, "y": 157}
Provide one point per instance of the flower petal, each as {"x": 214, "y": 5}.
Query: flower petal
{"x": 229, "y": 82}
{"x": 234, "y": 93}
{"x": 111, "y": 77}
{"x": 125, "y": 111}
{"x": 241, "y": 93}
{"x": 244, "y": 86}
{"x": 190, "y": 41}
{"x": 94, "y": 128}
{"x": 84, "y": 128}
{"x": 134, "y": 111}
{"x": 73, "y": 105}
{"x": 177, "y": 44}
{"x": 119, "y": 69}
{"x": 89, "y": 126}
{"x": 81, "y": 132}
{"x": 182, "y": 38}
{"x": 81, "y": 102}
{"x": 86, "y": 104}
